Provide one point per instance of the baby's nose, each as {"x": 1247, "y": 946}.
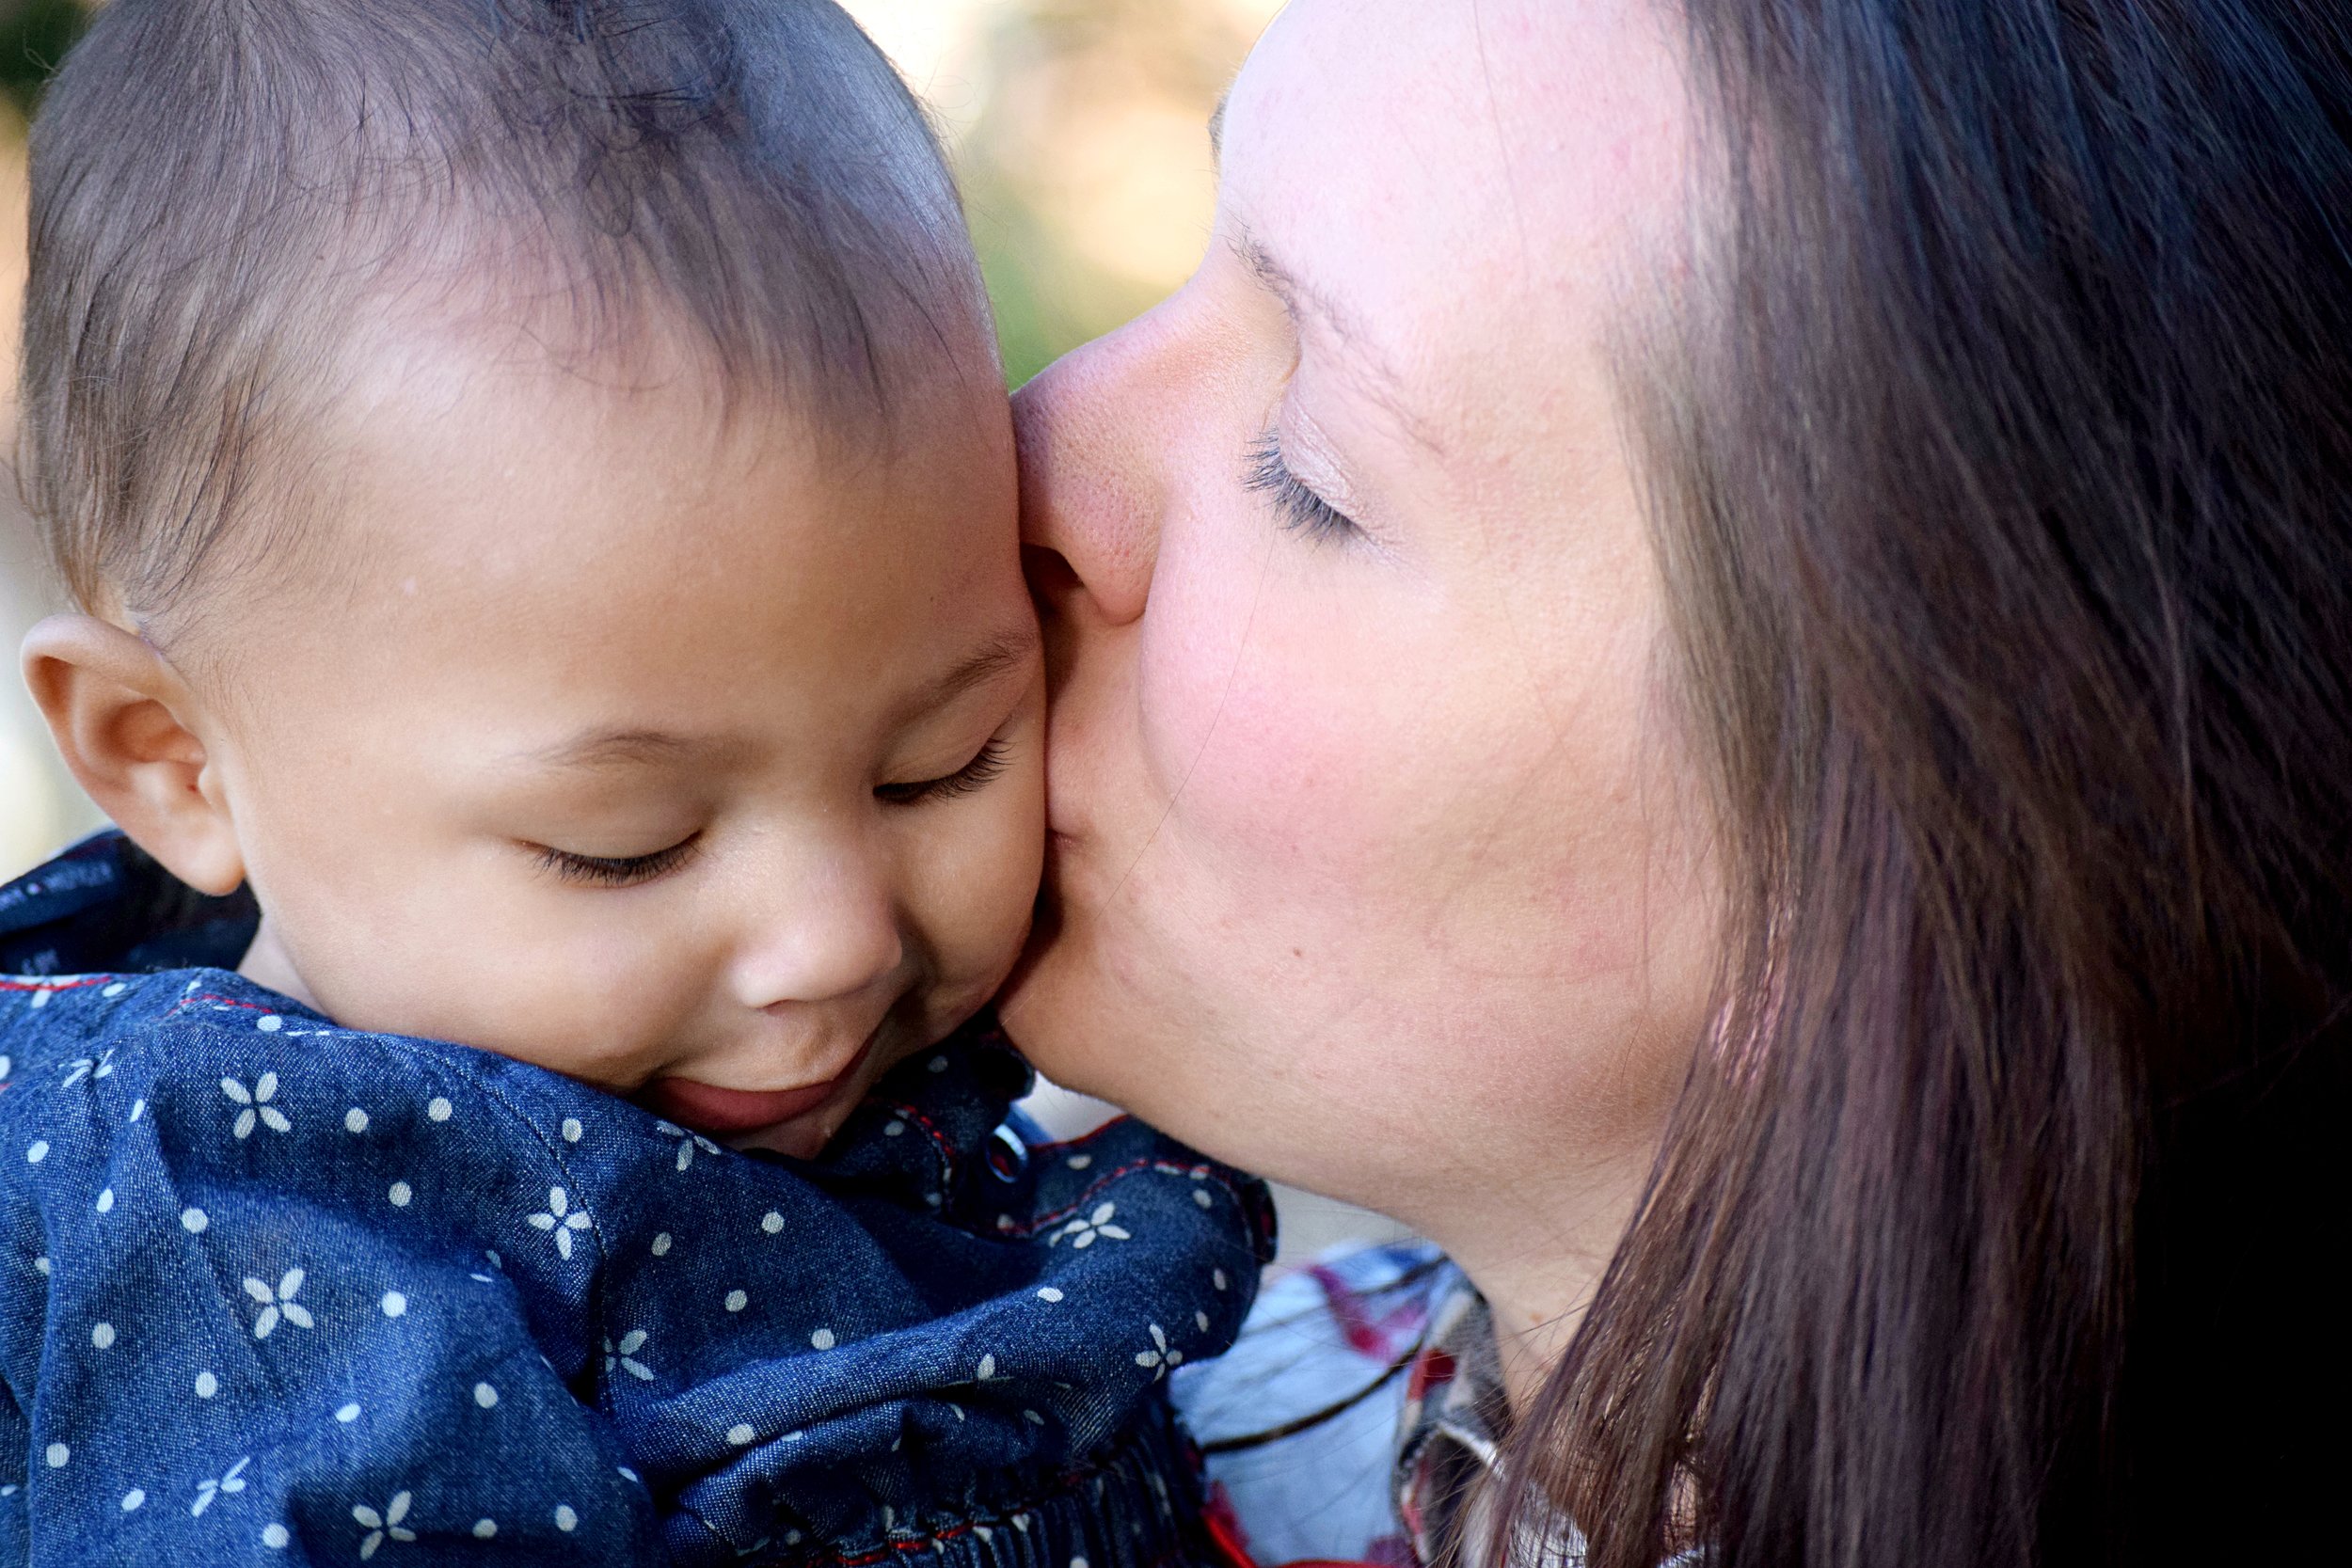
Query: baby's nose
{"x": 825, "y": 935}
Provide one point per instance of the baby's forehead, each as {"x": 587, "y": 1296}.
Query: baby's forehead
{"x": 422, "y": 403}
{"x": 510, "y": 526}
{"x": 629, "y": 425}
{"x": 210, "y": 220}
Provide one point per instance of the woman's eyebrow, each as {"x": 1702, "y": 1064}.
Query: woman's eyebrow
{"x": 1300, "y": 300}
{"x": 1304, "y": 303}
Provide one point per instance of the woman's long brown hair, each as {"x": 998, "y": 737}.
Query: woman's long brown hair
{"x": 2001, "y": 456}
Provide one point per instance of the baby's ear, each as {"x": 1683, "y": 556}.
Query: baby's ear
{"x": 128, "y": 725}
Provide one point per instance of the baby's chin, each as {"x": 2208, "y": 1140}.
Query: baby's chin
{"x": 804, "y": 1136}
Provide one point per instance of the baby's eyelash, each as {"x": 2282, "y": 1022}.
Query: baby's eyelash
{"x": 629, "y": 870}
{"x": 622, "y": 871}
{"x": 964, "y": 781}
{"x": 1302, "y": 509}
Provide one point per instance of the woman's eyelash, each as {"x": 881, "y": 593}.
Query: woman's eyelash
{"x": 1301, "y": 509}
{"x": 622, "y": 871}
{"x": 964, "y": 781}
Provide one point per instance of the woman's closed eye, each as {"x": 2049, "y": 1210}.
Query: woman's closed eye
{"x": 1302, "y": 510}
{"x": 616, "y": 870}
{"x": 983, "y": 768}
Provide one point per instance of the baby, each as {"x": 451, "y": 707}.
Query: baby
{"x": 540, "y": 490}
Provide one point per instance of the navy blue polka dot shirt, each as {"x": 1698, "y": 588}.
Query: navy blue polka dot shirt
{"x": 272, "y": 1292}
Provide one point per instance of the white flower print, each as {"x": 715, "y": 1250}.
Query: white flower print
{"x": 688, "y": 1141}
{"x": 86, "y": 1067}
{"x": 562, "y": 1219}
{"x": 380, "y": 1526}
{"x": 228, "y": 1483}
{"x": 5, "y": 1067}
{"x": 1162, "y": 1356}
{"x": 625, "y": 1355}
{"x": 257, "y": 1105}
{"x": 1083, "y": 1230}
{"x": 277, "y": 1303}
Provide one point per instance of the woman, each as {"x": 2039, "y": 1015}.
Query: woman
{"x": 1708, "y": 658}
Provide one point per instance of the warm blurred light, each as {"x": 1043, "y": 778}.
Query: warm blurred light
{"x": 39, "y": 808}
{"x": 922, "y": 38}
{"x": 1079, "y": 129}
{"x": 1147, "y": 231}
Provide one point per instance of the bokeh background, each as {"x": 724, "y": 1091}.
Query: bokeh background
{"x": 1079, "y": 133}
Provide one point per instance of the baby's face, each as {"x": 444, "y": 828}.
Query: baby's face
{"x": 680, "y": 761}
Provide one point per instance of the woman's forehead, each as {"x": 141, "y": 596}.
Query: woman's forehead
{"x": 1441, "y": 179}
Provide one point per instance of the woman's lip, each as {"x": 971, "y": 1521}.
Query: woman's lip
{"x": 724, "y": 1113}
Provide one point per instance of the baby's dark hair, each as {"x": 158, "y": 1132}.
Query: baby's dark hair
{"x": 220, "y": 188}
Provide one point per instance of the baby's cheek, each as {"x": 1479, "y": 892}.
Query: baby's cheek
{"x": 972, "y": 884}
{"x": 608, "y": 1010}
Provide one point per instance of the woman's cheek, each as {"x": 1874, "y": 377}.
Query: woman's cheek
{"x": 1283, "y": 815}
{"x": 1390, "y": 807}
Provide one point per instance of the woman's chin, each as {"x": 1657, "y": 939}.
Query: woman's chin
{"x": 1083, "y": 1034}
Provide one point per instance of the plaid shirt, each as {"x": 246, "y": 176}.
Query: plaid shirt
{"x": 1357, "y": 1420}
{"x": 1361, "y": 1419}
{"x": 1450, "y": 1429}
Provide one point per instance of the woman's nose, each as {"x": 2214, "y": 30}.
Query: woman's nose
{"x": 1093, "y": 429}
{"x": 824, "y": 934}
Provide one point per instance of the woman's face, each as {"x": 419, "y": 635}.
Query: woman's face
{"x": 1376, "y": 859}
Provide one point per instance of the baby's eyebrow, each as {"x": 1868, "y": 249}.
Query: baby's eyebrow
{"x": 991, "y": 659}
{"x": 619, "y": 748}
{"x": 640, "y": 748}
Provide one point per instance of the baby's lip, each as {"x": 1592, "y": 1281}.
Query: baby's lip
{"x": 723, "y": 1113}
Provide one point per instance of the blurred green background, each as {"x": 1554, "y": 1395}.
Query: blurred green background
{"x": 1078, "y": 131}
